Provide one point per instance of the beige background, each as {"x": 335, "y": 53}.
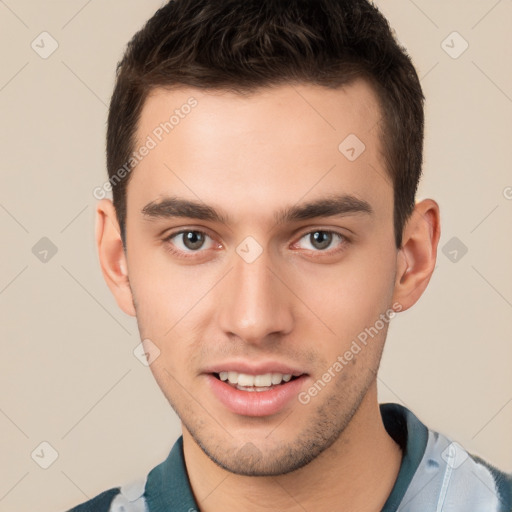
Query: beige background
{"x": 68, "y": 375}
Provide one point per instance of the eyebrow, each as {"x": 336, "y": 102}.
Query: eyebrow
{"x": 331, "y": 206}
{"x": 169, "y": 207}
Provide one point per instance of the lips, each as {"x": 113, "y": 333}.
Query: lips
{"x": 254, "y": 389}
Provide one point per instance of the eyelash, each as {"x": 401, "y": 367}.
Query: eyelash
{"x": 191, "y": 254}
{"x": 179, "y": 253}
{"x": 342, "y": 245}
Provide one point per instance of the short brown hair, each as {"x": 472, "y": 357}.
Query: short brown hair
{"x": 243, "y": 45}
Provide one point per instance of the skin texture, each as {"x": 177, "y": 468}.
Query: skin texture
{"x": 249, "y": 157}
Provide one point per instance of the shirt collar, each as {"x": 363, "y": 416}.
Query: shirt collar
{"x": 168, "y": 482}
{"x": 412, "y": 436}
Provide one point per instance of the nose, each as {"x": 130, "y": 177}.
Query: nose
{"x": 255, "y": 305}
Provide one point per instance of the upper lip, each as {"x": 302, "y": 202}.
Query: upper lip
{"x": 252, "y": 368}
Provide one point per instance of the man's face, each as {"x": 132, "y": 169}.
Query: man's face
{"x": 255, "y": 289}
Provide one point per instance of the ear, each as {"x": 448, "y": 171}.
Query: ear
{"x": 112, "y": 256}
{"x": 416, "y": 259}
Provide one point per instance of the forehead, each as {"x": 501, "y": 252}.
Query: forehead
{"x": 273, "y": 145}
{"x": 296, "y": 112}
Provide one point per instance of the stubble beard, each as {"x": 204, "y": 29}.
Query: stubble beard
{"x": 323, "y": 428}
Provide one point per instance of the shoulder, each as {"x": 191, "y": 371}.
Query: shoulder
{"x": 165, "y": 485}
{"x": 100, "y": 503}
{"x": 438, "y": 473}
{"x": 452, "y": 478}
{"x": 128, "y": 498}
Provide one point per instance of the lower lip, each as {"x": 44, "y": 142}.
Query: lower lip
{"x": 255, "y": 403}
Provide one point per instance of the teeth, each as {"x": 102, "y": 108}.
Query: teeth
{"x": 263, "y": 380}
{"x": 276, "y": 378}
{"x": 245, "y": 380}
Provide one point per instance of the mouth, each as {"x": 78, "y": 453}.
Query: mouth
{"x": 255, "y": 383}
{"x": 255, "y": 395}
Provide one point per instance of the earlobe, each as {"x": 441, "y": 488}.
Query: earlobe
{"x": 112, "y": 256}
{"x": 416, "y": 258}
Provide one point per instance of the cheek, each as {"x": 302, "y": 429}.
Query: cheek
{"x": 164, "y": 293}
{"x": 351, "y": 293}
{"x": 173, "y": 305}
{"x": 347, "y": 300}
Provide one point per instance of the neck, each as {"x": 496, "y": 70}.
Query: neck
{"x": 363, "y": 458}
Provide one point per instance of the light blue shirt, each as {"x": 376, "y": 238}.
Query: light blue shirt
{"x": 436, "y": 475}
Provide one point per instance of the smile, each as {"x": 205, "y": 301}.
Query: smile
{"x": 255, "y": 395}
{"x": 246, "y": 382}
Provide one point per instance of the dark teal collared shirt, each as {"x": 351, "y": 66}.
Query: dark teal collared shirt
{"x": 436, "y": 475}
